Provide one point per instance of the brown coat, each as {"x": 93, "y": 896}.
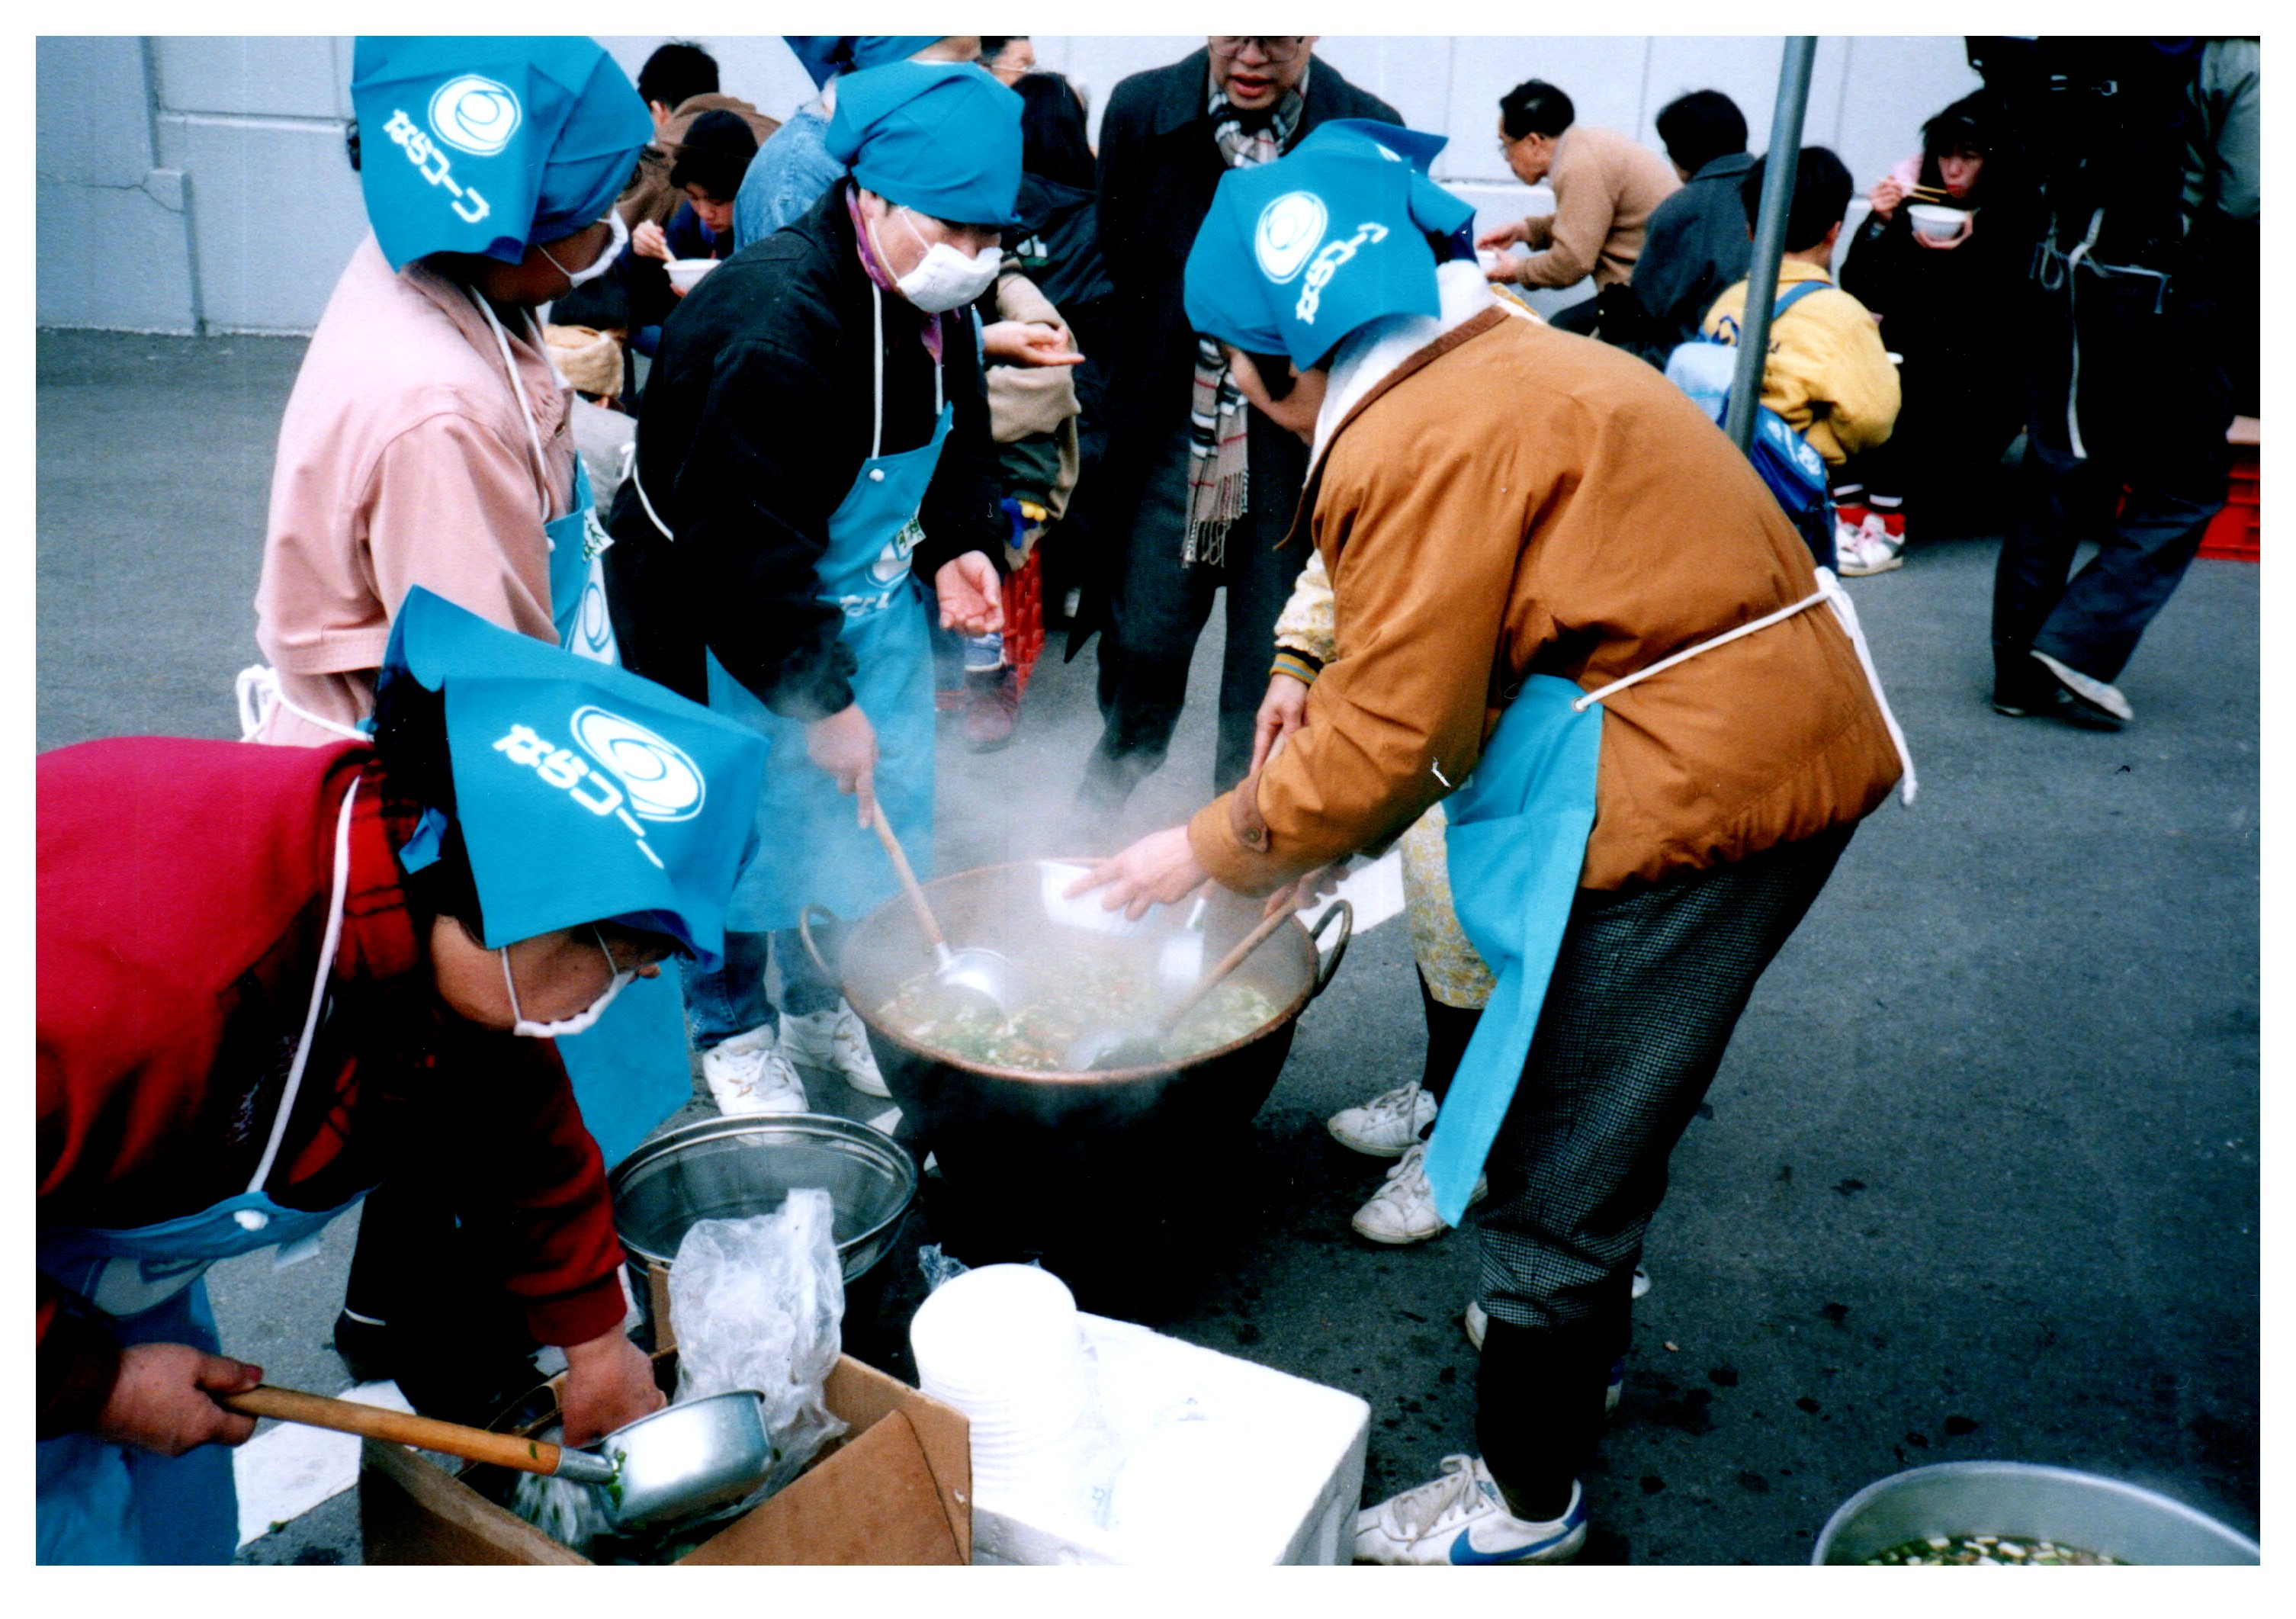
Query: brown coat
{"x": 1605, "y": 189}
{"x": 1514, "y": 499}
{"x": 649, "y": 196}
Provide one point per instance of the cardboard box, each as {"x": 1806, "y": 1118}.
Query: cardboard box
{"x": 896, "y": 1489}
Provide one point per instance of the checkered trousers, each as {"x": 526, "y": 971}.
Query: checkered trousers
{"x": 1648, "y": 986}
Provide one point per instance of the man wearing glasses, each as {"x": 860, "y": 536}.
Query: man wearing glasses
{"x": 1206, "y": 487}
{"x": 1605, "y": 185}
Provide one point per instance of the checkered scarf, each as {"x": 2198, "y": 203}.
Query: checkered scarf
{"x": 1218, "y": 474}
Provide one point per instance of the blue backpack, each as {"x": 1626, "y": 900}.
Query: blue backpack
{"x": 1704, "y": 368}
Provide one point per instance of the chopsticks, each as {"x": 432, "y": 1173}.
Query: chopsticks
{"x": 1928, "y": 193}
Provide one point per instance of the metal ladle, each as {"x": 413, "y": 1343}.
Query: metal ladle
{"x": 974, "y": 972}
{"x": 680, "y": 1460}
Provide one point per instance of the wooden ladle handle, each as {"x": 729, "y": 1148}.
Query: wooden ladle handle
{"x": 1226, "y": 963}
{"x": 398, "y": 1427}
{"x": 909, "y": 884}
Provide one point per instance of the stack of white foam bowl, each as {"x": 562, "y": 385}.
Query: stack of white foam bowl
{"x": 1003, "y": 1345}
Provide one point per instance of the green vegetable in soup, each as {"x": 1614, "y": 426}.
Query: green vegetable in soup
{"x": 1987, "y": 1550}
{"x": 1091, "y": 992}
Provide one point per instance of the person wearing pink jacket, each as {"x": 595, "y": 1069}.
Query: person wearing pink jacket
{"x": 427, "y": 438}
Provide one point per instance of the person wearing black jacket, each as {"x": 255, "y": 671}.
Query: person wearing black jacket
{"x": 1207, "y": 509}
{"x": 1955, "y": 311}
{"x": 2128, "y": 390}
{"x": 1696, "y": 242}
{"x": 814, "y": 462}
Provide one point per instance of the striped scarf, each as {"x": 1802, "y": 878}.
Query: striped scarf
{"x": 1218, "y": 472}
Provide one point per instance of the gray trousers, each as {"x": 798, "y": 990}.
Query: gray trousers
{"x": 1157, "y": 609}
{"x": 1646, "y": 991}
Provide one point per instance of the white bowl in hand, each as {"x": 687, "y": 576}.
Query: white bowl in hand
{"x": 1936, "y": 221}
{"x": 686, "y": 273}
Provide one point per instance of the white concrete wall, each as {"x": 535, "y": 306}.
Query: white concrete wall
{"x": 200, "y": 183}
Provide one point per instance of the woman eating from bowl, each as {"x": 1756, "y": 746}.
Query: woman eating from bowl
{"x": 1948, "y": 304}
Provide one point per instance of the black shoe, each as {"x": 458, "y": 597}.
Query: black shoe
{"x": 2023, "y": 690}
{"x": 2044, "y": 702}
{"x": 472, "y": 1387}
{"x": 365, "y": 1347}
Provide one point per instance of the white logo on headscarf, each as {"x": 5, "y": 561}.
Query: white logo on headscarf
{"x": 474, "y": 114}
{"x": 1288, "y": 231}
{"x": 663, "y": 782}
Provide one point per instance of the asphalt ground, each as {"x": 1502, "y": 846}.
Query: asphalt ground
{"x": 1978, "y": 1178}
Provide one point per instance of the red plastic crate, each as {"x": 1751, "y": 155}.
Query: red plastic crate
{"x": 2234, "y": 534}
{"x": 1024, "y": 618}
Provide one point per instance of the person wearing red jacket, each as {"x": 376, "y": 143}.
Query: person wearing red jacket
{"x": 266, "y": 975}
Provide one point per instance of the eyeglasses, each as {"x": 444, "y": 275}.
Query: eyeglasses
{"x": 1278, "y": 48}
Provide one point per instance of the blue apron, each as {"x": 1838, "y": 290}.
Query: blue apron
{"x": 104, "y": 1503}
{"x": 631, "y": 1071}
{"x": 811, "y": 847}
{"x": 1516, "y": 844}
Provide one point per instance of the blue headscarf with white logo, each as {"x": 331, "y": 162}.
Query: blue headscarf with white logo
{"x": 580, "y": 791}
{"x": 941, "y": 137}
{"x": 484, "y": 145}
{"x": 1298, "y": 253}
{"x": 827, "y": 55}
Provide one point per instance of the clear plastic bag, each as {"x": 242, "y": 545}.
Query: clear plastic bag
{"x": 938, "y": 1266}
{"x": 757, "y": 1304}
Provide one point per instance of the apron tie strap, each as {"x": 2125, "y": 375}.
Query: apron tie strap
{"x": 877, "y": 369}
{"x": 327, "y": 949}
{"x": 1583, "y": 704}
{"x": 518, "y": 387}
{"x": 260, "y": 693}
{"x": 1829, "y": 589}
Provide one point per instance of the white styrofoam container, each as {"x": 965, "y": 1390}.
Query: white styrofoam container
{"x": 1296, "y": 1504}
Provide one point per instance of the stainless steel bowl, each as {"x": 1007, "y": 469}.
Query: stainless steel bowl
{"x": 687, "y": 1460}
{"x": 2019, "y": 1500}
{"x": 733, "y": 1168}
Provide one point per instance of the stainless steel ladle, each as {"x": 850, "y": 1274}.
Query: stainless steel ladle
{"x": 974, "y": 972}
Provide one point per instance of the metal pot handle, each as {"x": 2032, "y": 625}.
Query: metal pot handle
{"x": 805, "y": 932}
{"x": 1326, "y": 965}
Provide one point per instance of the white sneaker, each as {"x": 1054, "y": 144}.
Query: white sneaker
{"x": 1476, "y": 1321}
{"x": 1868, "y": 550}
{"x": 1403, "y": 1211}
{"x": 2100, "y": 697}
{"x": 1386, "y": 1126}
{"x": 1460, "y": 1517}
{"x": 839, "y": 1041}
{"x": 748, "y": 1074}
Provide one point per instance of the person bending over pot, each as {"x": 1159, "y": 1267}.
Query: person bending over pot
{"x": 1564, "y": 601}
{"x": 816, "y": 485}
{"x": 270, "y": 977}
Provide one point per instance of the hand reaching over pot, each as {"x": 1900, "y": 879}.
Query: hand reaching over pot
{"x": 1160, "y": 869}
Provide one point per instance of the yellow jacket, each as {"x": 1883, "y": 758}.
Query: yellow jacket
{"x": 1828, "y": 374}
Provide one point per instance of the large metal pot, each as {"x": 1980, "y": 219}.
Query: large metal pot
{"x": 1051, "y": 1137}
{"x": 746, "y": 1165}
{"x": 2023, "y": 1499}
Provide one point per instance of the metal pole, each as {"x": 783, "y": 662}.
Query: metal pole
{"x": 1769, "y": 236}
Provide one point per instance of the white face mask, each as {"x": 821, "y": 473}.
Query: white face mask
{"x": 946, "y": 279}
{"x": 581, "y": 1020}
{"x": 604, "y": 261}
